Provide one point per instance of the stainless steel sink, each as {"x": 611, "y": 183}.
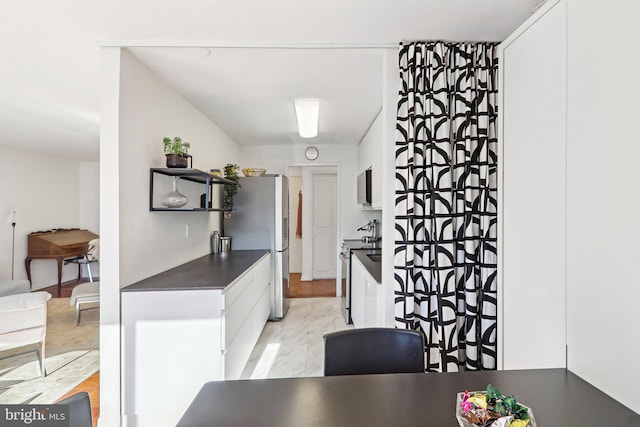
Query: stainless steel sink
{"x": 375, "y": 257}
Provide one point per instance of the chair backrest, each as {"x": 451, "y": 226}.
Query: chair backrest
{"x": 14, "y": 287}
{"x": 373, "y": 351}
{"x": 79, "y": 409}
{"x": 93, "y": 250}
{"x": 23, "y": 317}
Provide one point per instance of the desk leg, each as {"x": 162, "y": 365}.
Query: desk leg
{"x": 27, "y": 265}
{"x": 60, "y": 275}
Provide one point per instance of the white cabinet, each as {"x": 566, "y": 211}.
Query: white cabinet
{"x": 174, "y": 341}
{"x": 357, "y": 292}
{"x": 370, "y": 301}
{"x": 367, "y": 302}
{"x": 532, "y": 211}
{"x": 370, "y": 152}
{"x": 246, "y": 310}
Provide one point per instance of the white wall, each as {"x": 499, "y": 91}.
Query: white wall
{"x": 152, "y": 242}
{"x": 110, "y": 397}
{"x": 138, "y": 110}
{"x": 89, "y": 209}
{"x": 390, "y": 88}
{"x": 44, "y": 192}
{"x": 295, "y": 243}
{"x": 603, "y": 203}
{"x": 89, "y": 195}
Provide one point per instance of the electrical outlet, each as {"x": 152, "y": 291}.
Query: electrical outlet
{"x": 187, "y": 231}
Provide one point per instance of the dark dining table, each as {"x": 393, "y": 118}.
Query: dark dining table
{"x": 557, "y": 397}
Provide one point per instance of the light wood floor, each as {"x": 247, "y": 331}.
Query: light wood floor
{"x": 298, "y": 289}
{"x": 311, "y": 288}
{"x": 92, "y": 386}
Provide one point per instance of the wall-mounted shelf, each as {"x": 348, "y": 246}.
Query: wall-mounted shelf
{"x": 191, "y": 175}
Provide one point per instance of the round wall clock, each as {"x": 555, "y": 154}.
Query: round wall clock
{"x": 311, "y": 153}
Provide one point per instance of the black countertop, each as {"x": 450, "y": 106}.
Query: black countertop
{"x": 213, "y": 271}
{"x": 374, "y": 268}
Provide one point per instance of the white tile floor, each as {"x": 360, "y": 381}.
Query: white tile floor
{"x": 292, "y": 347}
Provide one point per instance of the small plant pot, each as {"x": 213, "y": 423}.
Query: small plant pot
{"x": 176, "y": 161}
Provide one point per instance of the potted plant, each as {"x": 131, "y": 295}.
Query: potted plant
{"x": 230, "y": 173}
{"x": 176, "y": 151}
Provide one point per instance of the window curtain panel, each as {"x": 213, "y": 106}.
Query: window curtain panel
{"x": 446, "y": 202}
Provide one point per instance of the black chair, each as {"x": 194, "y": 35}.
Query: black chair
{"x": 373, "y": 351}
{"x": 79, "y": 409}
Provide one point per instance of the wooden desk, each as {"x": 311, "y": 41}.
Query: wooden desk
{"x": 557, "y": 397}
{"x": 58, "y": 244}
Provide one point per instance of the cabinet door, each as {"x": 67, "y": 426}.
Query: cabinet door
{"x": 381, "y": 305}
{"x": 357, "y": 293}
{"x": 532, "y": 206}
{"x": 247, "y": 310}
{"x": 264, "y": 289}
{"x": 239, "y": 301}
{"x": 370, "y": 301}
{"x": 171, "y": 341}
{"x": 262, "y": 273}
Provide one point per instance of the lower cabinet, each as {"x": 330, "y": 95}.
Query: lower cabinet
{"x": 367, "y": 304}
{"x": 246, "y": 310}
{"x": 175, "y": 341}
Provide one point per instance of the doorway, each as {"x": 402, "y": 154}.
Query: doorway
{"x": 314, "y": 229}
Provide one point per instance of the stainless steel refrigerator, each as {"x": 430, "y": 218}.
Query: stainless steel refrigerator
{"x": 260, "y": 220}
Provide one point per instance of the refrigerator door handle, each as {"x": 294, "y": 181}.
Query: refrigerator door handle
{"x": 285, "y": 226}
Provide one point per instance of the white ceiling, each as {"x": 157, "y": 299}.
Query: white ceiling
{"x": 49, "y": 78}
{"x": 249, "y": 92}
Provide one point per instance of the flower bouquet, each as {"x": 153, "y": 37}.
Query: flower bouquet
{"x": 492, "y": 409}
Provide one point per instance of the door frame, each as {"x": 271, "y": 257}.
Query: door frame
{"x": 307, "y": 191}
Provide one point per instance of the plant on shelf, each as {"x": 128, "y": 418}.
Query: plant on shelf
{"x": 230, "y": 173}
{"x": 176, "y": 151}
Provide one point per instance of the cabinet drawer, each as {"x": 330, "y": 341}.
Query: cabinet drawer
{"x": 262, "y": 311}
{"x": 238, "y": 350}
{"x": 263, "y": 272}
{"x": 236, "y": 315}
{"x": 234, "y": 292}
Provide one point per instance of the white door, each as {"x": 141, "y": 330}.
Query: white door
{"x": 324, "y": 226}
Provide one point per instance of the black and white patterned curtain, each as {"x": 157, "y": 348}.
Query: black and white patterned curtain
{"x": 446, "y": 202}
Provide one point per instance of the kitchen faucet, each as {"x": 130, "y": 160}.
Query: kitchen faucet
{"x": 371, "y": 226}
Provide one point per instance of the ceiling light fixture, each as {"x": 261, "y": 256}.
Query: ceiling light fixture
{"x": 307, "y": 111}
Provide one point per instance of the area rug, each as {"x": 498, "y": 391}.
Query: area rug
{"x": 71, "y": 357}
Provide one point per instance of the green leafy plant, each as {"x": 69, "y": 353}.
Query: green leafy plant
{"x": 175, "y": 146}
{"x": 230, "y": 173}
